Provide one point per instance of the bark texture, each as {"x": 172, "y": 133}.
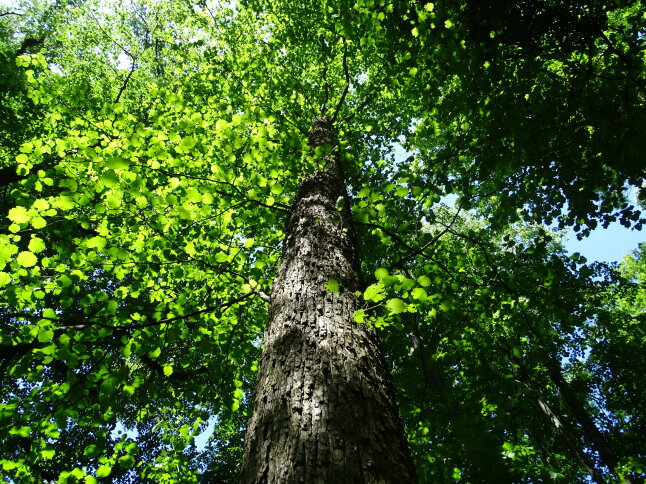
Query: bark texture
{"x": 323, "y": 407}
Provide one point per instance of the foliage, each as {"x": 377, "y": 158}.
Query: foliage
{"x": 154, "y": 148}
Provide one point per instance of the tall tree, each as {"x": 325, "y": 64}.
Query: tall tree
{"x": 172, "y": 214}
{"x": 321, "y": 373}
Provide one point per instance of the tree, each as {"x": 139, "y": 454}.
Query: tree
{"x": 321, "y": 372}
{"x": 174, "y": 184}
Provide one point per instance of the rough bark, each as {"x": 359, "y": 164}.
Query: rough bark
{"x": 323, "y": 406}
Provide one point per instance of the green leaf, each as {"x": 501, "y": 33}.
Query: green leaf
{"x": 41, "y": 204}
{"x": 18, "y": 215}
{"x": 359, "y": 316}
{"x": 126, "y": 461}
{"x": 38, "y": 222}
{"x": 332, "y": 286}
{"x": 420, "y": 294}
{"x": 7, "y": 251}
{"x": 187, "y": 143}
{"x": 364, "y": 192}
{"x": 91, "y": 450}
{"x": 96, "y": 242}
{"x": 117, "y": 163}
{"x": 27, "y": 259}
{"x": 403, "y": 191}
{"x": 48, "y": 454}
{"x": 168, "y": 370}
{"x": 23, "y": 431}
{"x": 36, "y": 244}
{"x": 78, "y": 473}
{"x": 109, "y": 178}
{"x": 424, "y": 281}
{"x": 396, "y": 306}
{"x": 5, "y": 279}
{"x": 107, "y": 386}
{"x": 374, "y": 292}
{"x": 103, "y": 471}
{"x": 64, "y": 202}
{"x": 193, "y": 195}
{"x": 112, "y": 202}
{"x": 380, "y": 273}
{"x": 45, "y": 335}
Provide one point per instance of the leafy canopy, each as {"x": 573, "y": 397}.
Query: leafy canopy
{"x": 152, "y": 150}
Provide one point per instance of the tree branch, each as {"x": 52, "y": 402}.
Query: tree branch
{"x": 125, "y": 82}
{"x": 347, "y": 82}
{"x": 27, "y": 43}
{"x": 69, "y": 324}
{"x": 447, "y": 228}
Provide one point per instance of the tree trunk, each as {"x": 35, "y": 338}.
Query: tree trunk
{"x": 570, "y": 441}
{"x": 323, "y": 408}
{"x": 600, "y": 444}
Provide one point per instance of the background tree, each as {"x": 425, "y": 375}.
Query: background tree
{"x": 162, "y": 148}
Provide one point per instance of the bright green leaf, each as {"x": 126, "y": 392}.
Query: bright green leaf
{"x": 18, "y": 215}
{"x": 380, "y": 273}
{"x": 36, "y": 244}
{"x": 117, "y": 163}
{"x": 396, "y": 306}
{"x": 103, "y": 471}
{"x": 5, "y": 279}
{"x": 424, "y": 281}
{"x": 38, "y": 222}
{"x": 332, "y": 286}
{"x": 374, "y": 292}
{"x": 109, "y": 178}
{"x": 27, "y": 259}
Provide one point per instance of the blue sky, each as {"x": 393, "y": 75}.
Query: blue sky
{"x": 606, "y": 245}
